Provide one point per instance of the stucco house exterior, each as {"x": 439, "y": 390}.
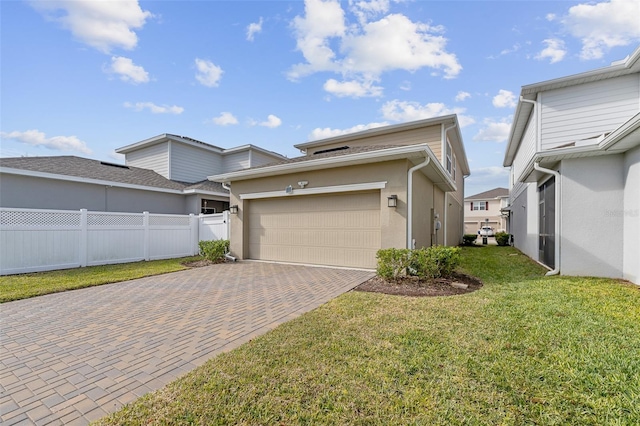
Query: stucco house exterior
{"x": 163, "y": 174}
{"x": 486, "y": 205}
{"x": 351, "y": 195}
{"x": 574, "y": 154}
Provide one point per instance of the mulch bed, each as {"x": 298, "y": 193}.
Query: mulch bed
{"x": 200, "y": 263}
{"x": 412, "y": 286}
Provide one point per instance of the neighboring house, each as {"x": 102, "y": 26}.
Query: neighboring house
{"x": 484, "y": 209}
{"x": 351, "y": 195}
{"x": 574, "y": 153}
{"x": 164, "y": 174}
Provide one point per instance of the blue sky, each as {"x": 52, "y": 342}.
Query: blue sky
{"x": 86, "y": 77}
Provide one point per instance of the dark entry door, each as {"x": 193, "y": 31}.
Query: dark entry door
{"x": 546, "y": 245}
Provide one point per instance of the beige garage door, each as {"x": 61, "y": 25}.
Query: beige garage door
{"x": 337, "y": 229}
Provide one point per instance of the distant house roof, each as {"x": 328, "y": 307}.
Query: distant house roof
{"x": 489, "y": 195}
{"x": 94, "y": 171}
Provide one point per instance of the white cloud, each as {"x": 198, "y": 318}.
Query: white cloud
{"x": 550, "y": 17}
{"x": 402, "y": 111}
{"x": 555, "y": 50}
{"x": 504, "y": 99}
{"x": 104, "y": 25}
{"x": 155, "y": 109}
{"x": 363, "y": 51}
{"x": 366, "y": 10}
{"x": 208, "y": 74}
{"x": 323, "y": 133}
{"x": 353, "y": 88}
{"x": 602, "y": 26}
{"x": 406, "y": 86}
{"x": 56, "y": 143}
{"x": 461, "y": 96}
{"x": 128, "y": 71}
{"x": 253, "y": 29}
{"x": 272, "y": 122}
{"x": 493, "y": 131}
{"x": 225, "y": 119}
{"x": 323, "y": 20}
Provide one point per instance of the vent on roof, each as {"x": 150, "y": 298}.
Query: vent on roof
{"x": 324, "y": 151}
{"x": 122, "y": 166}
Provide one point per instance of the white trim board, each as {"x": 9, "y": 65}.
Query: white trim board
{"x": 312, "y": 191}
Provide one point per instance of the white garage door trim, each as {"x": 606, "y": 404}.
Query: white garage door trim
{"x": 312, "y": 191}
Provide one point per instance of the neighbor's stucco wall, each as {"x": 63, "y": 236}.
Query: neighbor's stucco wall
{"x": 524, "y": 221}
{"x": 37, "y": 193}
{"x": 591, "y": 216}
{"x": 631, "y": 217}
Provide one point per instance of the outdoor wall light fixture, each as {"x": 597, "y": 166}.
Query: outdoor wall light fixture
{"x": 392, "y": 201}
{"x": 233, "y": 209}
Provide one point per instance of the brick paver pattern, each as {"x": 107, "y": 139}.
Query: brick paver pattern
{"x": 73, "y": 357}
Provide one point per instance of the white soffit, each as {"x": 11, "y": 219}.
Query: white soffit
{"x": 312, "y": 191}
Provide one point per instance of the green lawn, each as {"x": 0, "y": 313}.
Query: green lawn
{"x": 15, "y": 287}
{"x": 525, "y": 349}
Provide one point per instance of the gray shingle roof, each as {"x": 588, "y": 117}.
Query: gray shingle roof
{"x": 85, "y": 168}
{"x": 489, "y": 195}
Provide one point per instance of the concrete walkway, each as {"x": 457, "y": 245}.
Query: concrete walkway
{"x": 70, "y": 358}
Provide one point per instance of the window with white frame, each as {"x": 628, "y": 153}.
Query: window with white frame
{"x": 449, "y": 158}
{"x": 480, "y": 205}
{"x": 453, "y": 168}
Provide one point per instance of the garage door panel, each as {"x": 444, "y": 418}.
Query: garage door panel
{"x": 337, "y": 229}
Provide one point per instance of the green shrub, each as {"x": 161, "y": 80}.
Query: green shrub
{"x": 425, "y": 263}
{"x": 469, "y": 239}
{"x": 214, "y": 250}
{"x": 392, "y": 263}
{"x": 502, "y": 238}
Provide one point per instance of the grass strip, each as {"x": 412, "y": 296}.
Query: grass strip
{"x": 525, "y": 349}
{"x": 23, "y": 286}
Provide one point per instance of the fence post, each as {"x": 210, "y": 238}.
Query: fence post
{"x": 84, "y": 236}
{"x": 194, "y": 224}
{"x": 226, "y": 217}
{"x": 145, "y": 224}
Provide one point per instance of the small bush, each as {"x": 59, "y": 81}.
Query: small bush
{"x": 214, "y": 250}
{"x": 425, "y": 263}
{"x": 502, "y": 238}
{"x": 392, "y": 263}
{"x": 469, "y": 239}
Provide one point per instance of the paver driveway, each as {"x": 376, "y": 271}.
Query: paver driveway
{"x": 69, "y": 358}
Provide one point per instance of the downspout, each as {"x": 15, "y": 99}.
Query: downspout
{"x": 446, "y": 195}
{"x": 556, "y": 254}
{"x": 410, "y": 197}
{"x": 228, "y": 188}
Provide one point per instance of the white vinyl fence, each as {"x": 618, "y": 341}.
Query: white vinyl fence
{"x": 43, "y": 240}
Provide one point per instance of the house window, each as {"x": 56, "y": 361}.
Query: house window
{"x": 453, "y": 168}
{"x": 208, "y": 206}
{"x": 449, "y": 157}
{"x": 480, "y": 205}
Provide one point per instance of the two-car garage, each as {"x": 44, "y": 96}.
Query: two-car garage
{"x": 340, "y": 229}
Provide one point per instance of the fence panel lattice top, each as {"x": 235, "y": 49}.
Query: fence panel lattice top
{"x": 9, "y": 218}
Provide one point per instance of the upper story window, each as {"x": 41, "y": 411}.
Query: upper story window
{"x": 480, "y": 205}
{"x": 449, "y": 158}
{"x": 453, "y": 168}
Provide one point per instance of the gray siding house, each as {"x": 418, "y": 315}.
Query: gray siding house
{"x": 574, "y": 154}
{"x": 164, "y": 174}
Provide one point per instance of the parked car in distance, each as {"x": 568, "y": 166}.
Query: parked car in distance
{"x": 486, "y": 231}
